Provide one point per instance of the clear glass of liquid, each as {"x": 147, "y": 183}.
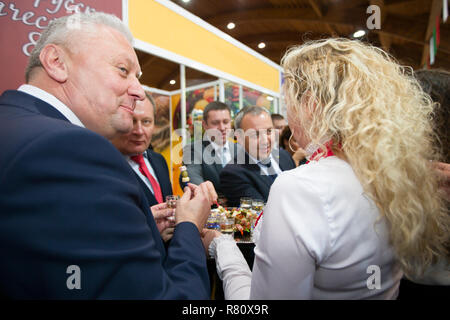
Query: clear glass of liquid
{"x": 172, "y": 201}
{"x": 246, "y": 203}
{"x": 227, "y": 225}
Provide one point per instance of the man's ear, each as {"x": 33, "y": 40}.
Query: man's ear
{"x": 53, "y": 60}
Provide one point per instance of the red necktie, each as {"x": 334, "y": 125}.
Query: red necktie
{"x": 139, "y": 159}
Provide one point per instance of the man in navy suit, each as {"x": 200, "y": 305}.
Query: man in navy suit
{"x": 74, "y": 222}
{"x": 134, "y": 145}
{"x": 256, "y": 163}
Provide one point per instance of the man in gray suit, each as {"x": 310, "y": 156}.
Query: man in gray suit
{"x": 204, "y": 159}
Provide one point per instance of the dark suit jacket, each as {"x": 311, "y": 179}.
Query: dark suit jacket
{"x": 161, "y": 169}
{"x": 68, "y": 197}
{"x": 245, "y": 179}
{"x": 201, "y": 169}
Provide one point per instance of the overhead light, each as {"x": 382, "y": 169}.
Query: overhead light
{"x": 269, "y": 98}
{"x": 172, "y": 82}
{"x": 231, "y": 25}
{"x": 359, "y": 34}
{"x": 261, "y": 45}
{"x": 186, "y": 1}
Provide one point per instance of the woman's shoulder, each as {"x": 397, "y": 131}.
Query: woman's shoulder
{"x": 327, "y": 181}
{"x": 325, "y": 171}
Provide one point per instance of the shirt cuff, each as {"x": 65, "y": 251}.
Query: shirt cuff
{"x": 224, "y": 238}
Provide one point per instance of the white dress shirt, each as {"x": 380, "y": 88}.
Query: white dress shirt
{"x": 53, "y": 101}
{"x": 320, "y": 239}
{"x": 222, "y": 151}
{"x": 135, "y": 167}
{"x": 274, "y": 167}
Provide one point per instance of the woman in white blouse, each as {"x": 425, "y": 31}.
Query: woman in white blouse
{"x": 364, "y": 210}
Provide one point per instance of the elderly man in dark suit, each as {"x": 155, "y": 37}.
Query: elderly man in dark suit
{"x": 74, "y": 221}
{"x": 149, "y": 166}
{"x": 256, "y": 163}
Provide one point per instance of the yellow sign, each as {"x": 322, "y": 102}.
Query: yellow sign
{"x": 156, "y": 24}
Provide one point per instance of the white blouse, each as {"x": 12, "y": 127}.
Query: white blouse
{"x": 321, "y": 238}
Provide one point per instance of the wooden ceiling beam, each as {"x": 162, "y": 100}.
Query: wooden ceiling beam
{"x": 385, "y": 39}
{"x": 149, "y": 75}
{"x": 291, "y": 15}
{"x": 148, "y": 62}
{"x": 317, "y": 7}
{"x": 174, "y": 74}
{"x": 353, "y": 17}
{"x": 408, "y": 7}
{"x": 407, "y": 55}
{"x": 274, "y": 55}
{"x": 265, "y": 14}
{"x": 190, "y": 75}
{"x": 281, "y": 36}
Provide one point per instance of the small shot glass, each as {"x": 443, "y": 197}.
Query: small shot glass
{"x": 172, "y": 203}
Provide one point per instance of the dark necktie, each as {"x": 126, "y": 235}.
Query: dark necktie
{"x": 139, "y": 159}
{"x": 267, "y": 165}
{"x": 223, "y": 158}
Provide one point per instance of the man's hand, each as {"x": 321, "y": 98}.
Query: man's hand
{"x": 195, "y": 204}
{"x": 167, "y": 233}
{"x": 208, "y": 189}
{"x": 162, "y": 216}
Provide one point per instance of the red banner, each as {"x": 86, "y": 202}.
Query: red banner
{"x": 21, "y": 24}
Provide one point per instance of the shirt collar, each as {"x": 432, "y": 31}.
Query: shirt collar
{"x": 53, "y": 101}
{"x": 254, "y": 160}
{"x": 131, "y": 155}
{"x": 217, "y": 147}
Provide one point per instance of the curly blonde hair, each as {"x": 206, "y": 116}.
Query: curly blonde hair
{"x": 376, "y": 113}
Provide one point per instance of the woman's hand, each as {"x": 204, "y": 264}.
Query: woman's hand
{"x": 208, "y": 235}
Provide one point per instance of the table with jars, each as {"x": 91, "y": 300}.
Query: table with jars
{"x": 240, "y": 223}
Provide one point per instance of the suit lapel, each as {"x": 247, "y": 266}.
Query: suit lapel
{"x": 283, "y": 159}
{"x": 266, "y": 179}
{"x": 51, "y": 112}
{"x": 148, "y": 193}
{"x": 151, "y": 220}
{"x": 285, "y": 163}
{"x": 217, "y": 166}
{"x": 256, "y": 170}
{"x": 155, "y": 166}
{"x": 159, "y": 169}
{"x": 150, "y": 200}
{"x": 276, "y": 157}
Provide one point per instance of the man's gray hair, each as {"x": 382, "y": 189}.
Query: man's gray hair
{"x": 254, "y": 110}
{"x": 61, "y": 32}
